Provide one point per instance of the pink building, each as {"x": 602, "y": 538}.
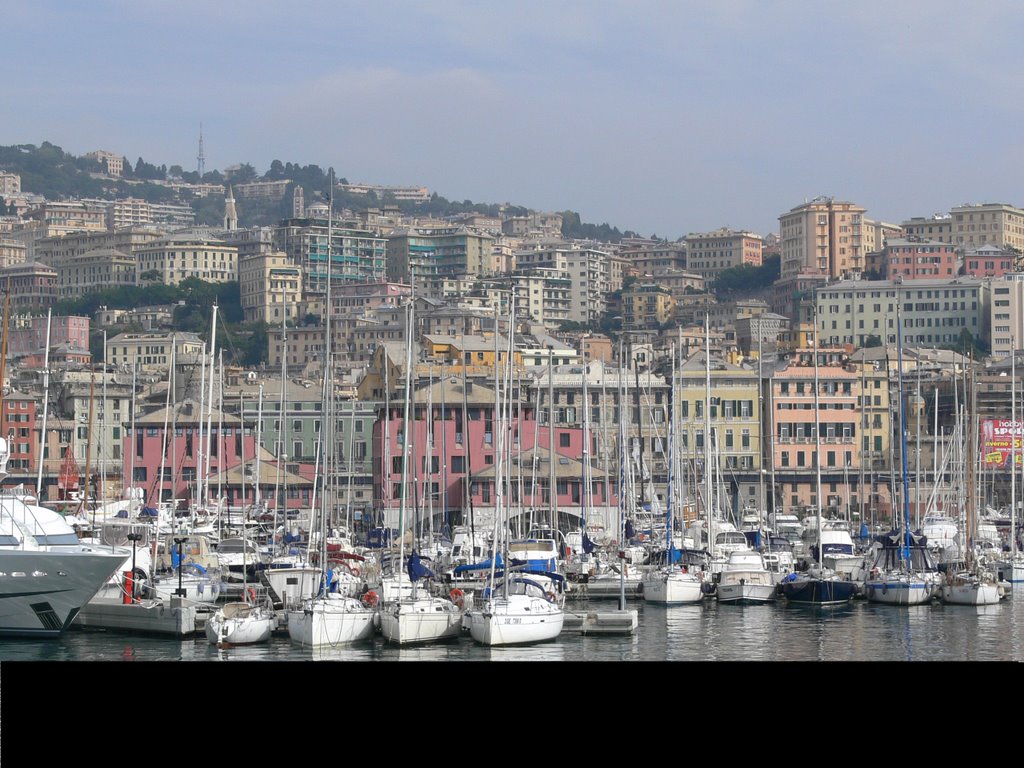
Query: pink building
{"x": 18, "y": 426}
{"x": 464, "y": 457}
{"x": 988, "y": 261}
{"x": 144, "y": 450}
{"x": 797, "y": 450}
{"x": 30, "y": 337}
{"x": 913, "y": 258}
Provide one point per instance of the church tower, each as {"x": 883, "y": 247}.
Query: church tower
{"x": 230, "y": 214}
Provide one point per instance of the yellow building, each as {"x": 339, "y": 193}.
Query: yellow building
{"x": 647, "y": 305}
{"x": 188, "y": 254}
{"x": 271, "y": 287}
{"x": 823, "y": 235}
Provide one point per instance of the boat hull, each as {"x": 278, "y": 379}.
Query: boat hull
{"x": 330, "y": 622}
{"x": 818, "y": 591}
{"x": 970, "y": 594}
{"x": 673, "y": 589}
{"x": 738, "y": 594}
{"x": 42, "y": 592}
{"x": 243, "y": 631}
{"x": 516, "y": 623}
{"x": 901, "y": 592}
{"x": 428, "y": 620}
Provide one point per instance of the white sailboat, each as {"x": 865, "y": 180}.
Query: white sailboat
{"x": 330, "y": 618}
{"x": 901, "y": 571}
{"x": 414, "y": 615}
{"x": 670, "y": 584}
{"x": 246, "y": 621}
{"x": 518, "y": 607}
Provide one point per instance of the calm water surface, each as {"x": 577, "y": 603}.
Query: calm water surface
{"x": 708, "y": 632}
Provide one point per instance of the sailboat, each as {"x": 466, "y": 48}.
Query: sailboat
{"x": 330, "y": 618}
{"x": 413, "y": 615}
{"x": 672, "y": 585}
{"x": 818, "y": 585}
{"x": 518, "y": 607}
{"x": 968, "y": 582}
{"x": 247, "y": 621}
{"x": 901, "y": 570}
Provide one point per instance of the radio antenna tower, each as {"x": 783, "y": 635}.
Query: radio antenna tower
{"x": 200, "y": 159}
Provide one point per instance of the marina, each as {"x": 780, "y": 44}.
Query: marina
{"x": 858, "y": 632}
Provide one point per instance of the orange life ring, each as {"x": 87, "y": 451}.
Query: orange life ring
{"x": 552, "y": 597}
{"x": 251, "y": 592}
{"x": 458, "y": 597}
{"x": 354, "y": 570}
{"x": 370, "y": 599}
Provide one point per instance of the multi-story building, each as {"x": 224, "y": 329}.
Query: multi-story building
{"x": 932, "y": 312}
{"x": 149, "y": 449}
{"x": 875, "y": 234}
{"x": 10, "y": 184}
{"x": 823, "y": 235}
{"x": 183, "y": 255}
{"x": 112, "y": 162}
{"x": 989, "y": 261}
{"x": 618, "y": 268}
{"x": 151, "y": 352}
{"x": 270, "y": 287}
{"x": 273, "y": 191}
{"x": 794, "y": 297}
{"x": 913, "y": 259}
{"x": 32, "y": 286}
{"x": 407, "y": 193}
{"x": 55, "y": 251}
{"x": 61, "y": 218}
{"x": 655, "y": 260}
{"x": 545, "y": 293}
{"x": 11, "y": 252}
{"x": 18, "y": 426}
{"x": 708, "y": 253}
{"x": 817, "y": 432}
{"x": 357, "y": 255}
{"x": 938, "y": 227}
{"x": 586, "y": 267}
{"x": 95, "y": 270}
{"x": 1007, "y": 313}
{"x": 980, "y": 224}
{"x": 422, "y": 253}
{"x": 28, "y": 334}
{"x": 647, "y": 305}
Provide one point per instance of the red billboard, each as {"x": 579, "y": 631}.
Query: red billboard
{"x": 996, "y": 447}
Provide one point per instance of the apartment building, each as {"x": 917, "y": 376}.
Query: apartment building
{"x": 823, "y": 235}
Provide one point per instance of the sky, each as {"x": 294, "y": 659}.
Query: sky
{"x": 659, "y": 117}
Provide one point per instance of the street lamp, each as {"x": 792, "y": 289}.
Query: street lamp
{"x": 179, "y": 591}
{"x": 134, "y": 538}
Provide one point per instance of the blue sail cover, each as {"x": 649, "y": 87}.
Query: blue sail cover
{"x": 588, "y": 545}
{"x": 148, "y": 512}
{"x": 417, "y": 570}
{"x": 486, "y": 564}
{"x": 630, "y": 530}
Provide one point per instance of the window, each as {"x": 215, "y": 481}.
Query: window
{"x": 563, "y": 440}
{"x": 458, "y": 464}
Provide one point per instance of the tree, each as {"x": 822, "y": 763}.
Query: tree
{"x": 872, "y": 341}
{"x": 151, "y": 276}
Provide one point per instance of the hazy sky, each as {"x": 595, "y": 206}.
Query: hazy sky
{"x": 661, "y": 117}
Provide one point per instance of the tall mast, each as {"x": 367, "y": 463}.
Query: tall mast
{"x": 903, "y": 435}
{"x": 708, "y": 506}
{"x": 283, "y": 413}
{"x": 817, "y": 432}
{"x": 259, "y": 440}
{"x": 102, "y": 448}
{"x": 46, "y": 403}
{"x": 760, "y": 411}
{"x": 1013, "y": 448}
{"x": 552, "y": 502}
{"x": 209, "y": 404}
{"x": 407, "y": 438}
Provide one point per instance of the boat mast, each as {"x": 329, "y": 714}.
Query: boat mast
{"x": 552, "y": 502}
{"x": 1013, "y": 449}
{"x": 407, "y": 441}
{"x": 209, "y": 406}
{"x": 903, "y": 437}
{"x": 46, "y": 403}
{"x": 283, "y": 413}
{"x": 708, "y": 479}
{"x": 817, "y": 432}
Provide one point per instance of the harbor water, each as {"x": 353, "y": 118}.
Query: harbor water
{"x": 860, "y": 631}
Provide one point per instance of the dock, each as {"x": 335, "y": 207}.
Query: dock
{"x": 157, "y": 617}
{"x": 601, "y": 622}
